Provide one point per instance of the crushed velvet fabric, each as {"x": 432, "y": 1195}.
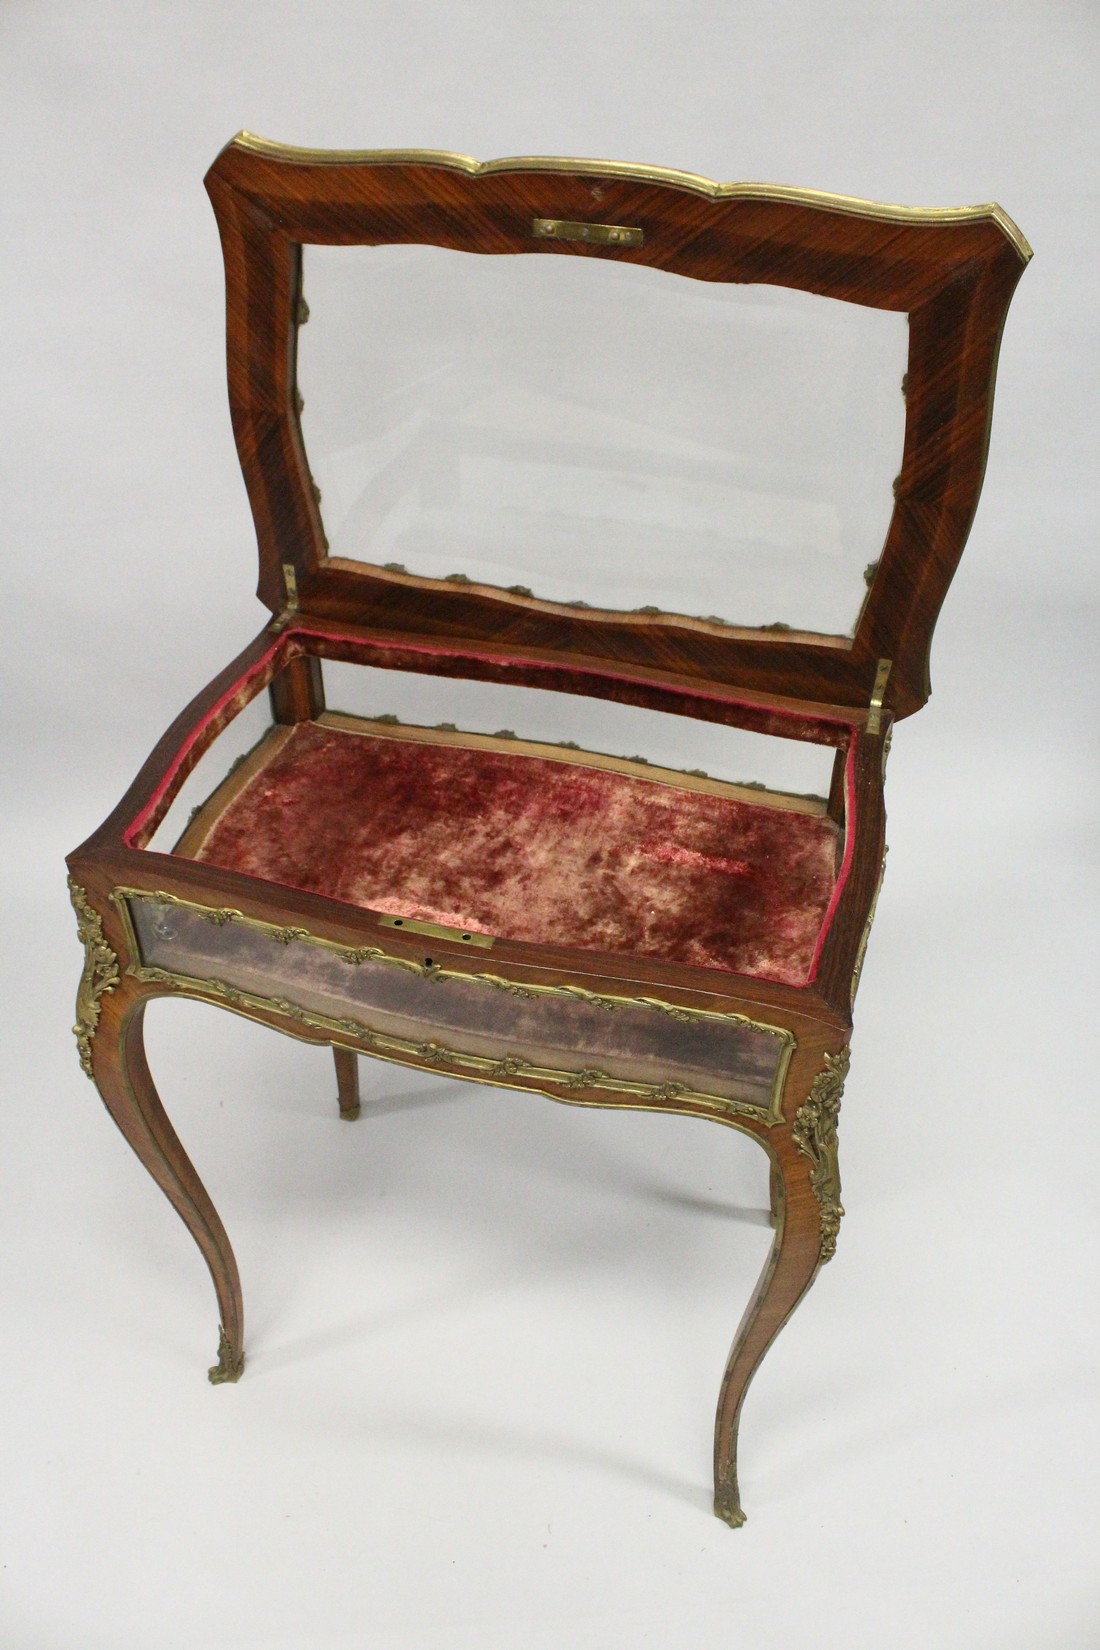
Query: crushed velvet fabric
{"x": 532, "y": 849}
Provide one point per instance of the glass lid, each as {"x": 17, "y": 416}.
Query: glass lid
{"x": 617, "y": 417}
{"x": 602, "y": 434}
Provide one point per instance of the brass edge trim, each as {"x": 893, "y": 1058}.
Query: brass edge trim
{"x": 754, "y": 795}
{"x": 669, "y": 176}
{"x": 355, "y": 955}
{"x": 867, "y": 926}
{"x": 814, "y": 1133}
{"x": 500, "y": 1070}
{"x": 99, "y": 975}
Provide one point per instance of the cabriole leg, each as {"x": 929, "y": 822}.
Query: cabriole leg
{"x": 347, "y": 1081}
{"x": 805, "y": 1180}
{"x": 121, "y": 1074}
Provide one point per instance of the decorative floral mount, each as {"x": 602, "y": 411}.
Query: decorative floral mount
{"x": 814, "y": 1133}
{"x": 99, "y": 976}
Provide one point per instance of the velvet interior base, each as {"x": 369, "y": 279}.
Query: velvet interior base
{"x": 528, "y": 848}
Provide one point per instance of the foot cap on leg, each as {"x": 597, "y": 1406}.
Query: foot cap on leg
{"x": 727, "y": 1506}
{"x": 230, "y": 1364}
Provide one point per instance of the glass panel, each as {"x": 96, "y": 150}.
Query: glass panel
{"x": 246, "y": 730}
{"x": 732, "y": 754}
{"x": 602, "y": 433}
{"x": 478, "y": 1029}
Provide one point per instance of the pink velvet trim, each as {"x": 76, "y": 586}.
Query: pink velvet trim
{"x": 432, "y": 650}
{"x": 849, "y": 853}
{"x": 220, "y": 714}
{"x": 536, "y": 850}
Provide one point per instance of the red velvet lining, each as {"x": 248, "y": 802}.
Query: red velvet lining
{"x": 533, "y": 849}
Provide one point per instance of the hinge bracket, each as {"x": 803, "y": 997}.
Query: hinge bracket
{"x": 874, "y": 710}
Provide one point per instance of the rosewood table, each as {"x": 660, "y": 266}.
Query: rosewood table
{"x": 602, "y": 929}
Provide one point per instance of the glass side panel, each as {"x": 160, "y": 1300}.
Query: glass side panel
{"x": 602, "y": 433}
{"x": 228, "y": 749}
{"x": 476, "y": 1027}
{"x": 601, "y": 725}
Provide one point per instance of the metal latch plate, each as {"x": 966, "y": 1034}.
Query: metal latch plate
{"x": 437, "y": 931}
{"x": 596, "y": 234}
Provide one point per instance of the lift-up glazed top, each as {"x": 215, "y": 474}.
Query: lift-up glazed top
{"x": 951, "y": 272}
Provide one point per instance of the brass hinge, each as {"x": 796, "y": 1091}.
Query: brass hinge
{"x": 597, "y": 234}
{"x": 290, "y": 581}
{"x": 874, "y": 710}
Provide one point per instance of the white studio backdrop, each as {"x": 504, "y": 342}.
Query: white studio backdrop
{"x": 485, "y": 1333}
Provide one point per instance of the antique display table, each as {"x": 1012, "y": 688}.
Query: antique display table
{"x": 604, "y": 929}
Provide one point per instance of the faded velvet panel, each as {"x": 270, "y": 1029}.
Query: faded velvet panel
{"x": 535, "y": 850}
{"x": 722, "y": 1056}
